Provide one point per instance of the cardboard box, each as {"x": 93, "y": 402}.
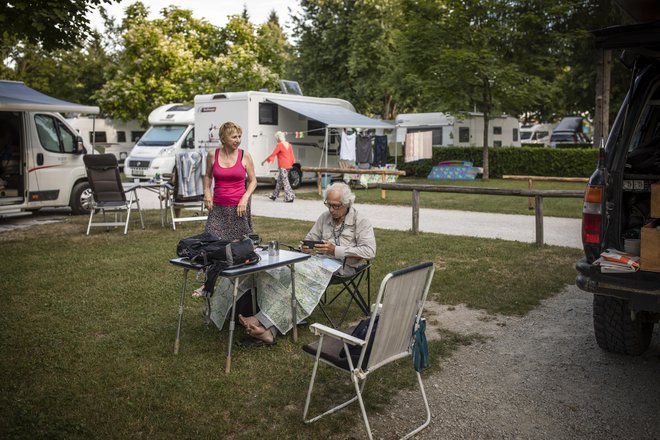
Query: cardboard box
{"x": 650, "y": 247}
{"x": 655, "y": 200}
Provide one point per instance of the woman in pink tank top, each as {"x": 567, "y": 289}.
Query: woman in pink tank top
{"x": 228, "y": 201}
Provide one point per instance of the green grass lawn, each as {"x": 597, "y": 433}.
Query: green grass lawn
{"x": 88, "y": 328}
{"x": 554, "y": 207}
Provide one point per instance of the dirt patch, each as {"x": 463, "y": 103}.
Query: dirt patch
{"x": 463, "y": 320}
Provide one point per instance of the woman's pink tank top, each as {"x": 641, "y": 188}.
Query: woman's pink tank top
{"x": 229, "y": 184}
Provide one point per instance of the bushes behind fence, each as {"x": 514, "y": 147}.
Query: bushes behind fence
{"x": 565, "y": 162}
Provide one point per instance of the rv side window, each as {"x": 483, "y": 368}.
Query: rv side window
{"x": 515, "y": 135}
{"x": 497, "y": 130}
{"x": 136, "y": 135}
{"x": 121, "y": 136}
{"x": 99, "y": 137}
{"x": 464, "y": 134}
{"x": 267, "y": 113}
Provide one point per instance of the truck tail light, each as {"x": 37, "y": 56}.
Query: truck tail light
{"x": 592, "y": 219}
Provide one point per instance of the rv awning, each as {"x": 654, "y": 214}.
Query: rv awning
{"x": 332, "y": 115}
{"x": 16, "y": 96}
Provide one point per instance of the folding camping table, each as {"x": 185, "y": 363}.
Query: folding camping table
{"x": 285, "y": 258}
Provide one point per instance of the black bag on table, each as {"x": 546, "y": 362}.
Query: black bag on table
{"x": 216, "y": 254}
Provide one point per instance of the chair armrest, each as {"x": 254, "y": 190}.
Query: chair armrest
{"x": 319, "y": 329}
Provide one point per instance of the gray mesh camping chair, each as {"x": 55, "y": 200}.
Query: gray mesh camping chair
{"x": 108, "y": 194}
{"x": 188, "y": 190}
{"x": 397, "y": 311}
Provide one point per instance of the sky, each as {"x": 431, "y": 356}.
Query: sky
{"x": 213, "y": 11}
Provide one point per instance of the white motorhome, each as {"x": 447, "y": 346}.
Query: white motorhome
{"x": 109, "y": 135}
{"x": 40, "y": 153}
{"x": 171, "y": 130}
{"x": 464, "y": 131}
{"x": 535, "y": 134}
{"x": 313, "y": 126}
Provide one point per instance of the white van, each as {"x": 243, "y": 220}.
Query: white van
{"x": 535, "y": 134}
{"x": 313, "y": 127}
{"x": 40, "y": 153}
{"x": 109, "y": 135}
{"x": 171, "y": 130}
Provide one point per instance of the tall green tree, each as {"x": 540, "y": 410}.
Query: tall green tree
{"x": 49, "y": 24}
{"x": 174, "y": 58}
{"x": 345, "y": 49}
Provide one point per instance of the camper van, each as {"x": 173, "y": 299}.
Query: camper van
{"x": 538, "y": 134}
{"x": 109, "y": 135}
{"x": 40, "y": 153}
{"x": 313, "y": 126}
{"x": 171, "y": 129}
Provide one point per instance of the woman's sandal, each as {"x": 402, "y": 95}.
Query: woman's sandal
{"x": 199, "y": 292}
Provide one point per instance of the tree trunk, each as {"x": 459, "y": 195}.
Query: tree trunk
{"x": 602, "y": 113}
{"x": 484, "y": 175}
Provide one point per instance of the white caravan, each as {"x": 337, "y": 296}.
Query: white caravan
{"x": 313, "y": 127}
{"x": 40, "y": 153}
{"x": 109, "y": 135}
{"x": 171, "y": 130}
{"x": 463, "y": 131}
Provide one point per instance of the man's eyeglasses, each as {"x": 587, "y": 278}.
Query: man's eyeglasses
{"x": 333, "y": 205}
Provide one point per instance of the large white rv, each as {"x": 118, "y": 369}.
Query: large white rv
{"x": 313, "y": 126}
{"x": 465, "y": 131}
{"x": 109, "y": 135}
{"x": 171, "y": 130}
{"x": 40, "y": 153}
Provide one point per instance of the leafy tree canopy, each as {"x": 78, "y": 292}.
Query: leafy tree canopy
{"x": 53, "y": 24}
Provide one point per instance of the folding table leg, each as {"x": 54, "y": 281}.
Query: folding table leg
{"x": 183, "y": 295}
{"x": 294, "y": 302}
{"x": 232, "y": 324}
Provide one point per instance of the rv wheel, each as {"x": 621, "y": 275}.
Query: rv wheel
{"x": 295, "y": 177}
{"x": 81, "y": 198}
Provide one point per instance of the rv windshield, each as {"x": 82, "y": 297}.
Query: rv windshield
{"x": 161, "y": 135}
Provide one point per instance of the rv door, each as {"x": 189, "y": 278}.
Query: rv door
{"x": 55, "y": 150}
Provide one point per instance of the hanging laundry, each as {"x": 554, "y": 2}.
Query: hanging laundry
{"x": 419, "y": 146}
{"x": 363, "y": 151}
{"x": 347, "y": 149}
{"x": 380, "y": 145}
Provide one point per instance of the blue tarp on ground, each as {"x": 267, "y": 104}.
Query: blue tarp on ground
{"x": 453, "y": 170}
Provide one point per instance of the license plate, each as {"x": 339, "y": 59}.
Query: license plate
{"x": 138, "y": 172}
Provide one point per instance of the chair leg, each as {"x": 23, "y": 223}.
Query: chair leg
{"x": 358, "y": 392}
{"x": 137, "y": 202}
{"x": 426, "y": 405}
{"x": 172, "y": 215}
{"x": 91, "y": 215}
{"x": 128, "y": 215}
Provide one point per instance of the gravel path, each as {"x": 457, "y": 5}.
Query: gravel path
{"x": 540, "y": 377}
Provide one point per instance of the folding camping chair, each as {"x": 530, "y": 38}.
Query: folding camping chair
{"x": 350, "y": 284}
{"x": 108, "y": 194}
{"x": 188, "y": 189}
{"x": 398, "y": 308}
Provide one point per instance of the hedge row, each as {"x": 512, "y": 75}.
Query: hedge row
{"x": 576, "y": 162}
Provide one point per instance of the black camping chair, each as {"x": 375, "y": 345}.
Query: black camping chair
{"x": 108, "y": 193}
{"x": 350, "y": 285}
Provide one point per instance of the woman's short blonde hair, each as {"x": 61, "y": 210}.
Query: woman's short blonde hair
{"x": 280, "y": 136}
{"x": 229, "y": 128}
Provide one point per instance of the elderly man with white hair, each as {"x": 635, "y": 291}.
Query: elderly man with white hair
{"x": 342, "y": 234}
{"x": 285, "y": 160}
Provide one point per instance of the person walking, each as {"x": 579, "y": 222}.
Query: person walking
{"x": 285, "y": 160}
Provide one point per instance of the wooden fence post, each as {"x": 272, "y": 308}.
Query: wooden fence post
{"x": 539, "y": 219}
{"x": 530, "y": 186}
{"x": 415, "y": 211}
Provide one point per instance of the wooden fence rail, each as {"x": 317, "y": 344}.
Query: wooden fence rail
{"x": 536, "y": 193}
{"x": 530, "y": 182}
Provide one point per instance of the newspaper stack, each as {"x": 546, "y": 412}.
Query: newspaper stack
{"x": 616, "y": 261}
